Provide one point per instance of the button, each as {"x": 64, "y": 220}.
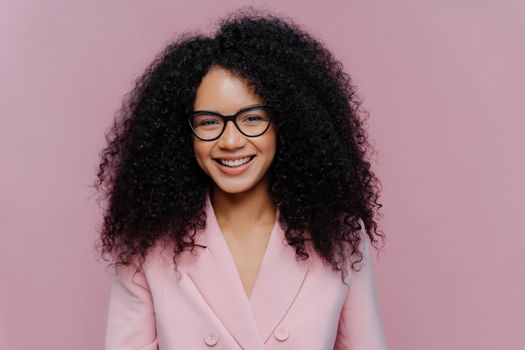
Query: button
{"x": 211, "y": 338}
{"x": 281, "y": 333}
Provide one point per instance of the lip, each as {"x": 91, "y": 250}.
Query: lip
{"x": 234, "y": 157}
{"x": 237, "y": 170}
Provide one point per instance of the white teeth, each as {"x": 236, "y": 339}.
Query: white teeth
{"x": 235, "y": 162}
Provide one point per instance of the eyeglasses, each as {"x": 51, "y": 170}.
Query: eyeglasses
{"x": 251, "y": 121}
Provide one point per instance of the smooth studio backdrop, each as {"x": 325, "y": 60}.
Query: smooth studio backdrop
{"x": 444, "y": 83}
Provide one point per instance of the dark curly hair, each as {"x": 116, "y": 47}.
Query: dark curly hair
{"x": 320, "y": 178}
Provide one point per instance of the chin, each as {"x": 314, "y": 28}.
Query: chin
{"x": 234, "y": 188}
{"x": 237, "y": 184}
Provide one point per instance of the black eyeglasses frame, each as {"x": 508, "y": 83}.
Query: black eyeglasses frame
{"x": 233, "y": 117}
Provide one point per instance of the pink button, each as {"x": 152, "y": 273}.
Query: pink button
{"x": 211, "y": 338}
{"x": 281, "y": 333}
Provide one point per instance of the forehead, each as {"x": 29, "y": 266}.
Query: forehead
{"x": 225, "y": 92}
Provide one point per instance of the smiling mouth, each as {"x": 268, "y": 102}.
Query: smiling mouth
{"x": 234, "y": 163}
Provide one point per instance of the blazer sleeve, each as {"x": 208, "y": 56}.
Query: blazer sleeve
{"x": 131, "y": 316}
{"x": 359, "y": 324}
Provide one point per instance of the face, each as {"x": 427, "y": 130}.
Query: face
{"x": 223, "y": 92}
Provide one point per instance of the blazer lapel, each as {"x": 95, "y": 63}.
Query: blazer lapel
{"x": 279, "y": 280}
{"x": 217, "y": 279}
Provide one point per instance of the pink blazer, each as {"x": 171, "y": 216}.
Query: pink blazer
{"x": 300, "y": 305}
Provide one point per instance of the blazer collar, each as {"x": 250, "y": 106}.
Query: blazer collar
{"x": 249, "y": 320}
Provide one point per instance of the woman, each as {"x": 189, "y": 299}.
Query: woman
{"x": 240, "y": 198}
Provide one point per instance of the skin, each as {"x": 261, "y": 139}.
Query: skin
{"x": 242, "y": 204}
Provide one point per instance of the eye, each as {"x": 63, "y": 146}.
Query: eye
{"x": 252, "y": 118}
{"x": 208, "y": 122}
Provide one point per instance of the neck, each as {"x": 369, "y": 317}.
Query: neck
{"x": 236, "y": 212}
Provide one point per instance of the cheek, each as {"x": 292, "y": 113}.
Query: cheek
{"x": 270, "y": 143}
{"x": 200, "y": 151}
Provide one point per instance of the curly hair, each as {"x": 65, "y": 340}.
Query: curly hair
{"x": 320, "y": 178}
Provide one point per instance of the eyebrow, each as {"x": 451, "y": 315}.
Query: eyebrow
{"x": 242, "y": 109}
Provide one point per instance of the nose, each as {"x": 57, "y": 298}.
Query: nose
{"x": 231, "y": 137}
